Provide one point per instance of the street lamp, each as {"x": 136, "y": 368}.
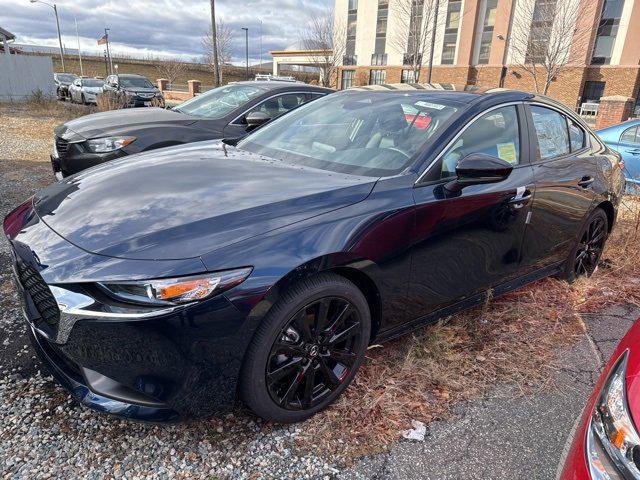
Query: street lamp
{"x": 246, "y": 37}
{"x": 55, "y": 10}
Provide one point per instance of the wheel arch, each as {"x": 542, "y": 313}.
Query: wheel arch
{"x": 609, "y": 209}
{"x": 357, "y": 271}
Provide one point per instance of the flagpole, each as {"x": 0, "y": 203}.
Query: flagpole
{"x": 106, "y": 34}
{"x": 78, "y": 38}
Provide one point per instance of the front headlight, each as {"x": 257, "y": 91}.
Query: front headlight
{"x": 175, "y": 291}
{"x": 613, "y": 444}
{"x": 108, "y": 144}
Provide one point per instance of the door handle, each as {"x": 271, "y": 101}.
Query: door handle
{"x": 520, "y": 201}
{"x": 634, "y": 151}
{"x": 586, "y": 182}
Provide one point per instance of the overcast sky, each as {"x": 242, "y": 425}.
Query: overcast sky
{"x": 160, "y": 27}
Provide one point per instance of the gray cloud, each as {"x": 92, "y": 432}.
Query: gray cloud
{"x": 160, "y": 27}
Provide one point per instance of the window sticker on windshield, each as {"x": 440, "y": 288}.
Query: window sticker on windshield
{"x": 435, "y": 106}
{"x": 507, "y": 152}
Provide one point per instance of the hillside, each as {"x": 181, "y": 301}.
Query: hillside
{"x": 95, "y": 66}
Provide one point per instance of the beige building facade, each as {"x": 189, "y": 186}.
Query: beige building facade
{"x": 474, "y": 43}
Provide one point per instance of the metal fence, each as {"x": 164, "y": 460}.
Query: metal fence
{"x": 21, "y": 76}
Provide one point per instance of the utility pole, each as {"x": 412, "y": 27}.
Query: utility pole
{"x": 106, "y": 34}
{"x": 55, "y": 11}
{"x": 214, "y": 43}
{"x": 79, "y": 53}
{"x": 246, "y": 48}
{"x": 433, "y": 41}
{"x": 260, "y": 43}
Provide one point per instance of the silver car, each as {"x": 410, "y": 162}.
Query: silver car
{"x": 85, "y": 90}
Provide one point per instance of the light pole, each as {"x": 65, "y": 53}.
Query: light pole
{"x": 55, "y": 10}
{"x": 246, "y": 48}
{"x": 214, "y": 43}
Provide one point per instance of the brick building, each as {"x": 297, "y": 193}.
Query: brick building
{"x": 472, "y": 46}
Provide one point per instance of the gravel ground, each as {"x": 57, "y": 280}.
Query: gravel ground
{"x": 46, "y": 434}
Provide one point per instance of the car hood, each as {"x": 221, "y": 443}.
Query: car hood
{"x": 182, "y": 202}
{"x": 116, "y": 122}
{"x": 92, "y": 89}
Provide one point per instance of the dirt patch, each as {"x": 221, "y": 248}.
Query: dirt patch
{"x": 26, "y": 130}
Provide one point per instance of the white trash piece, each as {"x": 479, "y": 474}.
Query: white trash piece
{"x": 418, "y": 431}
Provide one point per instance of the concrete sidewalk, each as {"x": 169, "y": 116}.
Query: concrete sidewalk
{"x": 507, "y": 436}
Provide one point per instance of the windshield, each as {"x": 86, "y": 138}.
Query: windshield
{"x": 220, "y": 102}
{"x": 139, "y": 82}
{"x": 362, "y": 133}
{"x": 90, "y": 82}
{"x": 66, "y": 77}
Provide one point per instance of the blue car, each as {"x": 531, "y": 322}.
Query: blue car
{"x": 625, "y": 139}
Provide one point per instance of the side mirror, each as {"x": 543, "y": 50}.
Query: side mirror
{"x": 479, "y": 169}
{"x": 256, "y": 119}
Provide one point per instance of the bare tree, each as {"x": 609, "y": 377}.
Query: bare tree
{"x": 543, "y": 34}
{"x": 415, "y": 33}
{"x": 224, "y": 40}
{"x": 326, "y": 37}
{"x": 171, "y": 70}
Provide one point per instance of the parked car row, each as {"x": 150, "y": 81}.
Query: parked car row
{"x": 226, "y": 112}
{"x": 135, "y": 90}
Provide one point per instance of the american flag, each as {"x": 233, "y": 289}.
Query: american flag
{"x": 103, "y": 40}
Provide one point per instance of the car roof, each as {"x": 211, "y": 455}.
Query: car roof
{"x": 279, "y": 85}
{"x": 457, "y": 92}
{"x": 129, "y": 75}
{"x": 620, "y": 126}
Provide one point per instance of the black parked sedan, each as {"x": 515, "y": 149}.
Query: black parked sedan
{"x": 225, "y": 112}
{"x": 165, "y": 287}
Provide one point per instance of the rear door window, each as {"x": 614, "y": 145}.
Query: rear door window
{"x": 551, "y": 132}
{"x": 576, "y": 135}
{"x": 630, "y": 135}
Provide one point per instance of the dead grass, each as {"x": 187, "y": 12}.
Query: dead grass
{"x": 512, "y": 339}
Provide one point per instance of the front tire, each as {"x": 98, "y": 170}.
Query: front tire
{"x": 585, "y": 256}
{"x": 307, "y": 349}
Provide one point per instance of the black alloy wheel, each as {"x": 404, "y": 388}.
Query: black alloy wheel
{"x": 314, "y": 353}
{"x": 306, "y": 350}
{"x": 590, "y": 247}
{"x": 586, "y": 255}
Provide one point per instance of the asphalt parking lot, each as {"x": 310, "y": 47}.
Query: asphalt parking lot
{"x": 45, "y": 434}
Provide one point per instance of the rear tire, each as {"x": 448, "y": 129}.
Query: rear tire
{"x": 307, "y": 349}
{"x": 584, "y": 257}
{"x": 83, "y": 100}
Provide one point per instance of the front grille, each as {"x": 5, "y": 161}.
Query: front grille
{"x": 39, "y": 292}
{"x": 62, "y": 146}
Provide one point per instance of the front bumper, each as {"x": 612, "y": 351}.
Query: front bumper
{"x": 176, "y": 365}
{"x": 135, "y": 101}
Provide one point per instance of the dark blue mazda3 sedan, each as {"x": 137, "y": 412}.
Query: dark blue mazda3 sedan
{"x": 262, "y": 268}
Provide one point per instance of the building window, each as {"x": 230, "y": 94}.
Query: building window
{"x": 636, "y": 109}
{"x": 347, "y": 79}
{"x": 378, "y": 59}
{"x": 451, "y": 32}
{"x": 592, "y": 92}
{"x": 381, "y": 34}
{"x": 607, "y": 31}
{"x": 377, "y": 77}
{"x": 349, "y": 60}
{"x": 541, "y": 31}
{"x": 408, "y": 59}
{"x": 490, "y": 10}
{"x": 352, "y": 24}
{"x": 415, "y": 30}
{"x": 408, "y": 76}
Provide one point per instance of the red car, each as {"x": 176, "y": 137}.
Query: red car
{"x": 606, "y": 445}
